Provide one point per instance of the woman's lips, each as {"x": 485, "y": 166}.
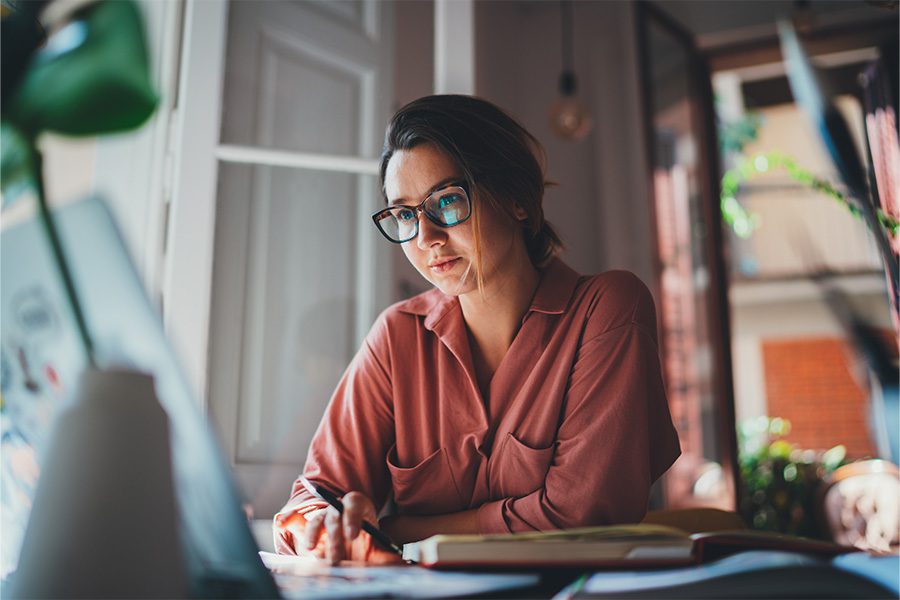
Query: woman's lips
{"x": 444, "y": 266}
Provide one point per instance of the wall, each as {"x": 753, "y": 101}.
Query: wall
{"x": 809, "y": 383}
{"x": 600, "y": 203}
{"x": 68, "y": 167}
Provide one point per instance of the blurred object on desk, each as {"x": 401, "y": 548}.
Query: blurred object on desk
{"x": 860, "y": 505}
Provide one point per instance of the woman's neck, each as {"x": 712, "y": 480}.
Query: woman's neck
{"x": 494, "y": 318}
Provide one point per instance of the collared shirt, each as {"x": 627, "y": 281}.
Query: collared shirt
{"x": 574, "y": 431}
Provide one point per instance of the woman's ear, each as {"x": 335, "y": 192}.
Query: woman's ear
{"x": 519, "y": 213}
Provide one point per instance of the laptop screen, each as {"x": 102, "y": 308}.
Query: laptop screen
{"x": 42, "y": 359}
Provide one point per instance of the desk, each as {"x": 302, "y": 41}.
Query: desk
{"x": 309, "y": 578}
{"x": 754, "y": 574}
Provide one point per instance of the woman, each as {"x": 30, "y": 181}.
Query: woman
{"x": 515, "y": 396}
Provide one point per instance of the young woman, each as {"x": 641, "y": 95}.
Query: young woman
{"x": 517, "y": 395}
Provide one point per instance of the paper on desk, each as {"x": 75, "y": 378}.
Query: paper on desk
{"x": 309, "y": 578}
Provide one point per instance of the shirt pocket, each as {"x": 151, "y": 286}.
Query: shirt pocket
{"x": 519, "y": 469}
{"x": 427, "y": 488}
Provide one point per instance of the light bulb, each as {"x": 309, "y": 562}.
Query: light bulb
{"x": 568, "y": 116}
{"x": 570, "y": 119}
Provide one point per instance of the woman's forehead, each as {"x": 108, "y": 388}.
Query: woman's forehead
{"x": 411, "y": 174}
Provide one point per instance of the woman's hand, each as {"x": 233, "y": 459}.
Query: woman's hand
{"x": 327, "y": 534}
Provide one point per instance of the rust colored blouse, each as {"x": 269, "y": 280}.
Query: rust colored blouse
{"x": 575, "y": 430}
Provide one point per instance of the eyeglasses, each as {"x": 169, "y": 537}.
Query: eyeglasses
{"x": 445, "y": 207}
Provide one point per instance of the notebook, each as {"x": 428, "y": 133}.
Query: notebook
{"x": 643, "y": 545}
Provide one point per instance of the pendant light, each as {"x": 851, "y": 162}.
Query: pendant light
{"x": 568, "y": 116}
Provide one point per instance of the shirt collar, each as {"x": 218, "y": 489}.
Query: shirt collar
{"x": 552, "y": 296}
{"x": 558, "y": 281}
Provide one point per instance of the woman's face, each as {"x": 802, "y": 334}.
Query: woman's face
{"x": 445, "y": 256}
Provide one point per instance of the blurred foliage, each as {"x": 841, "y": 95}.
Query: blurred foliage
{"x": 734, "y": 135}
{"x": 91, "y": 77}
{"x": 732, "y": 139}
{"x": 780, "y": 480}
{"x": 743, "y": 223}
{"x": 17, "y": 170}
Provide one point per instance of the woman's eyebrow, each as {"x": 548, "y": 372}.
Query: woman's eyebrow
{"x": 440, "y": 184}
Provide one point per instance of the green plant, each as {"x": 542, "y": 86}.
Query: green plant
{"x": 743, "y": 223}
{"x": 733, "y": 136}
{"x": 780, "y": 480}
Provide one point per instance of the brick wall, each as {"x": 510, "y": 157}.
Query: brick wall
{"x": 808, "y": 382}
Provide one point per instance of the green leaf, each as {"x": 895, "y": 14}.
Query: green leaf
{"x": 16, "y": 167}
{"x": 834, "y": 457}
{"x": 91, "y": 78}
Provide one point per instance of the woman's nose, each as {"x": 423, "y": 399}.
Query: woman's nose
{"x": 429, "y": 233}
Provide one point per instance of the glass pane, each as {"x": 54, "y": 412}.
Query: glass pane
{"x": 290, "y": 86}
{"x": 689, "y": 346}
{"x": 284, "y": 311}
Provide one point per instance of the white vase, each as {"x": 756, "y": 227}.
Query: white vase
{"x": 104, "y": 519}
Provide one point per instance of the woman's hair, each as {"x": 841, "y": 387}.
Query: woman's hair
{"x": 502, "y": 163}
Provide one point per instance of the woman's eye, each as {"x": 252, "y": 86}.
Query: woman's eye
{"x": 448, "y": 200}
{"x": 406, "y": 215}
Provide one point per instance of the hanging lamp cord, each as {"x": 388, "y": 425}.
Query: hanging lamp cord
{"x": 567, "y": 78}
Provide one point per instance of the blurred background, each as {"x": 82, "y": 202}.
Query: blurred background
{"x": 678, "y": 153}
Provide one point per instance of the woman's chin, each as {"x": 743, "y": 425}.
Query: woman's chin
{"x": 453, "y": 286}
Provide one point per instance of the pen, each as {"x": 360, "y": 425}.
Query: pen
{"x": 379, "y": 536}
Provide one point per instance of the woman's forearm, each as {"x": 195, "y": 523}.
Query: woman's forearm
{"x": 404, "y": 529}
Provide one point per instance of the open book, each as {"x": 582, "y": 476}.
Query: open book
{"x": 618, "y": 546}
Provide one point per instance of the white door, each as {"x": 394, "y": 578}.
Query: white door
{"x": 299, "y": 274}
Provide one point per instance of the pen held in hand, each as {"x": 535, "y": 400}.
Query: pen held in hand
{"x": 379, "y": 536}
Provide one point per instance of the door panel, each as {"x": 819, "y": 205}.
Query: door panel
{"x": 305, "y": 103}
{"x": 305, "y": 67}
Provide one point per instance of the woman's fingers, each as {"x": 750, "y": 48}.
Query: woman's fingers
{"x": 357, "y": 507}
{"x": 290, "y": 532}
{"x": 313, "y": 530}
{"x": 328, "y": 534}
{"x": 334, "y": 526}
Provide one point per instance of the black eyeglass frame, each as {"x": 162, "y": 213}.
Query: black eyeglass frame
{"x": 420, "y": 208}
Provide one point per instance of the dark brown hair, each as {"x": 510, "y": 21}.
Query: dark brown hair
{"x": 502, "y": 163}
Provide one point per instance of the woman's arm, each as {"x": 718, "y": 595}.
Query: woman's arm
{"x": 616, "y": 435}
{"x": 404, "y": 528}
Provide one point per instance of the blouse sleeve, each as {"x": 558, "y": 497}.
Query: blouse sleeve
{"x": 348, "y": 450}
{"x": 616, "y": 436}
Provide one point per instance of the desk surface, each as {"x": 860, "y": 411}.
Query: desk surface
{"x": 310, "y": 578}
{"x": 761, "y": 574}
